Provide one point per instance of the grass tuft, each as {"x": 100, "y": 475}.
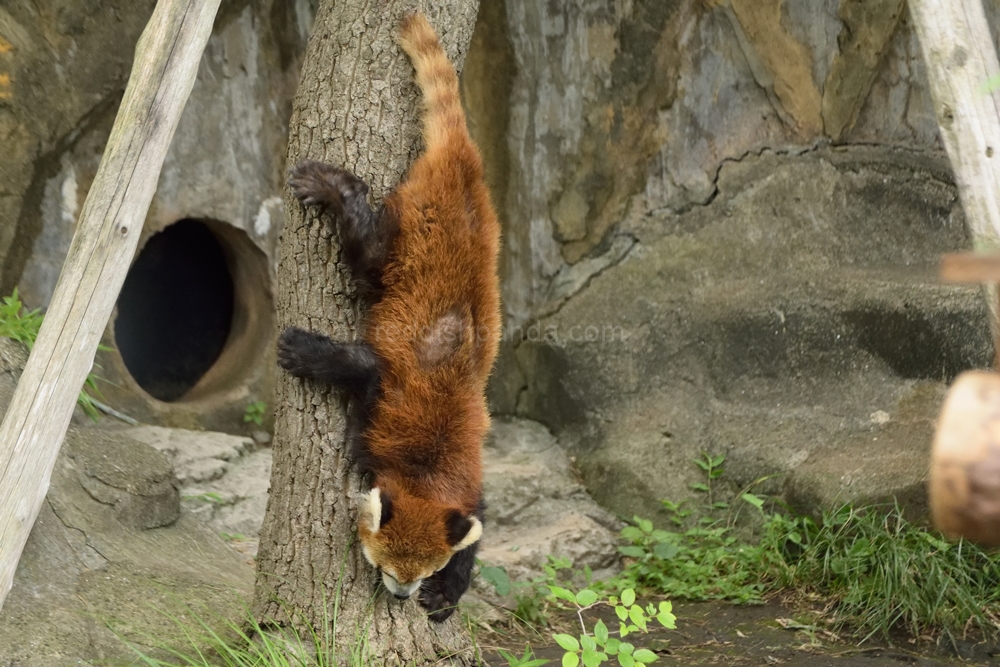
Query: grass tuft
{"x": 221, "y": 642}
{"x": 881, "y": 572}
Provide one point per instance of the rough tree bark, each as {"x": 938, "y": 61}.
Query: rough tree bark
{"x": 357, "y": 106}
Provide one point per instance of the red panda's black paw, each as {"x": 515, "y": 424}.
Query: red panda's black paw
{"x": 316, "y": 183}
{"x": 438, "y": 608}
{"x": 297, "y": 351}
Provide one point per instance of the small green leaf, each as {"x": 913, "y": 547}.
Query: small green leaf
{"x": 567, "y": 642}
{"x": 632, "y": 552}
{"x": 601, "y": 633}
{"x": 626, "y": 648}
{"x": 612, "y": 644}
{"x": 497, "y": 576}
{"x": 586, "y": 597}
{"x": 622, "y": 629}
{"x": 628, "y": 597}
{"x": 631, "y": 533}
{"x": 637, "y": 616}
{"x": 622, "y": 612}
{"x": 563, "y": 594}
{"x": 570, "y": 660}
{"x": 665, "y": 550}
{"x": 625, "y": 660}
{"x": 590, "y": 658}
{"x": 700, "y": 487}
{"x": 644, "y": 655}
{"x": 756, "y": 501}
{"x": 588, "y": 643}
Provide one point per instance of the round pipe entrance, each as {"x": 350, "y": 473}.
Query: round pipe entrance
{"x": 175, "y": 311}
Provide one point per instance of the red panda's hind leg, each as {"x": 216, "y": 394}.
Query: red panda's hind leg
{"x": 367, "y": 235}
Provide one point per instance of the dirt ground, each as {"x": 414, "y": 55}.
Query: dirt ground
{"x": 721, "y": 634}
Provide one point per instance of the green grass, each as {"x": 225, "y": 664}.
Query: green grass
{"x": 888, "y": 573}
{"x": 217, "y": 641}
{"x": 22, "y": 325}
{"x": 880, "y": 571}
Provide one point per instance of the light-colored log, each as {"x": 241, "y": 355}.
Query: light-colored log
{"x": 970, "y": 267}
{"x": 163, "y": 73}
{"x": 965, "y": 463}
{"x": 964, "y": 77}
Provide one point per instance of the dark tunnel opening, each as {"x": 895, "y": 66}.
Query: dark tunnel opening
{"x": 175, "y": 310}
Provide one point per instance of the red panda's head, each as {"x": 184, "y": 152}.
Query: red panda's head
{"x": 410, "y": 538}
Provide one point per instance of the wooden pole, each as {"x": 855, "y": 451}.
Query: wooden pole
{"x": 964, "y": 77}
{"x": 163, "y": 73}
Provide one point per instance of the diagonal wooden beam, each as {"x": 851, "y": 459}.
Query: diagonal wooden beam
{"x": 963, "y": 74}
{"x": 163, "y": 73}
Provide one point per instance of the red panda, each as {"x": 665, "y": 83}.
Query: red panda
{"x": 428, "y": 260}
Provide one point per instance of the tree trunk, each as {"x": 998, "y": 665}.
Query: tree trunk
{"x": 357, "y": 106}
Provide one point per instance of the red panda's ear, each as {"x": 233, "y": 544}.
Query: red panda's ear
{"x": 386, "y": 512}
{"x": 462, "y": 530}
{"x": 379, "y": 509}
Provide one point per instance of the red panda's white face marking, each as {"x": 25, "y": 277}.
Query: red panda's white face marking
{"x": 410, "y": 538}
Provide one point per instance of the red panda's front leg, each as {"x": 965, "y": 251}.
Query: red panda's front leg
{"x": 304, "y": 354}
{"x": 350, "y": 366}
{"x": 367, "y": 235}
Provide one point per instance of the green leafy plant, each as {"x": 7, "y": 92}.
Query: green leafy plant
{"x": 18, "y": 322}
{"x": 527, "y": 659}
{"x": 531, "y": 598}
{"x": 496, "y": 576}
{"x": 254, "y": 412}
{"x": 594, "y": 649}
{"x": 701, "y": 563}
{"x": 712, "y": 467}
{"x": 22, "y": 325}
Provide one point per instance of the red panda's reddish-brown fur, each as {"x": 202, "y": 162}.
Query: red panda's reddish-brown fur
{"x": 418, "y": 380}
{"x": 436, "y": 327}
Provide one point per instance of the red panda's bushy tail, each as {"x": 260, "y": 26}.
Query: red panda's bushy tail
{"x": 437, "y": 79}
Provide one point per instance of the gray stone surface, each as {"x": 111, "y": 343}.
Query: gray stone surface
{"x": 224, "y": 478}
{"x": 94, "y": 567}
{"x": 110, "y": 553}
{"x": 537, "y": 507}
{"x": 794, "y": 324}
{"x": 134, "y": 478}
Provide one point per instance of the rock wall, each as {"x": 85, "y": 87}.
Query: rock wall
{"x": 722, "y": 221}
{"x": 638, "y": 103}
{"x": 63, "y": 68}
